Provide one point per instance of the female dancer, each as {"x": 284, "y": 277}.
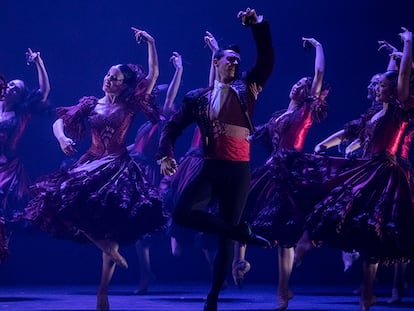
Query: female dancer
{"x": 104, "y": 196}
{"x": 17, "y": 106}
{"x": 143, "y": 152}
{"x": 348, "y": 137}
{"x": 371, "y": 208}
{"x": 188, "y": 168}
{"x": 272, "y": 205}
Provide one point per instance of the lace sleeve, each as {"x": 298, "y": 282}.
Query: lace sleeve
{"x": 141, "y": 101}
{"x": 74, "y": 116}
{"x": 319, "y": 109}
{"x": 352, "y": 129}
{"x": 263, "y": 133}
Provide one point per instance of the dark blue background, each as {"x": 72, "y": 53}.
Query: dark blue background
{"x": 80, "y": 39}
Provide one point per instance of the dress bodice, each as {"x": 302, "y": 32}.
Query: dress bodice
{"x": 289, "y": 130}
{"x": 407, "y": 140}
{"x": 7, "y": 128}
{"x": 108, "y": 123}
{"x": 11, "y": 130}
{"x": 386, "y": 133}
{"x": 13, "y": 123}
{"x": 109, "y": 127}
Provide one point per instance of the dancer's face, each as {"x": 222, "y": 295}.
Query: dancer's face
{"x": 227, "y": 66}
{"x": 372, "y": 87}
{"x": 14, "y": 91}
{"x": 300, "y": 90}
{"x": 113, "y": 82}
{"x": 384, "y": 91}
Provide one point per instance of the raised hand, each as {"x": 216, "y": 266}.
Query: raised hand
{"x": 406, "y": 35}
{"x": 388, "y": 47}
{"x": 255, "y": 89}
{"x": 142, "y": 35}
{"x": 211, "y": 41}
{"x": 31, "y": 56}
{"x": 311, "y": 41}
{"x": 176, "y": 60}
{"x": 249, "y": 17}
{"x": 396, "y": 55}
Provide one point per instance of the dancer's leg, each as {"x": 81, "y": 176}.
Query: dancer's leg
{"x": 108, "y": 268}
{"x": 285, "y": 265}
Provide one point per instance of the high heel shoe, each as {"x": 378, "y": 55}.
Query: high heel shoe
{"x": 102, "y": 303}
{"x": 366, "y": 303}
{"x": 282, "y": 300}
{"x": 240, "y": 268}
{"x": 396, "y": 297}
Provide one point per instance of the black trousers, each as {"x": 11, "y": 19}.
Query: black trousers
{"x": 227, "y": 182}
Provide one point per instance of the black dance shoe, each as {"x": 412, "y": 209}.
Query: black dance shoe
{"x": 244, "y": 234}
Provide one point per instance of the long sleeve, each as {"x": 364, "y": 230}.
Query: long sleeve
{"x": 175, "y": 126}
{"x": 261, "y": 71}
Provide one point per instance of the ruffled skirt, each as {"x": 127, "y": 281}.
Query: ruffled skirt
{"x": 108, "y": 198}
{"x": 13, "y": 189}
{"x": 284, "y": 191}
{"x": 371, "y": 210}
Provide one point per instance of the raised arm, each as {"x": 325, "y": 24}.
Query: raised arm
{"x": 393, "y": 52}
{"x": 405, "y": 68}
{"x": 153, "y": 69}
{"x": 174, "y": 84}
{"x": 212, "y": 43}
{"x": 319, "y": 65}
{"x": 44, "y": 85}
{"x": 261, "y": 71}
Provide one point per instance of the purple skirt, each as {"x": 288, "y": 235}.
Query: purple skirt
{"x": 283, "y": 193}
{"x": 14, "y": 189}
{"x": 370, "y": 210}
{"x": 109, "y": 198}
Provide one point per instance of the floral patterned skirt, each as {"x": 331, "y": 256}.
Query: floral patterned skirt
{"x": 108, "y": 198}
{"x": 371, "y": 210}
{"x": 284, "y": 191}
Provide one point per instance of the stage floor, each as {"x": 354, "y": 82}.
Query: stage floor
{"x": 188, "y": 297}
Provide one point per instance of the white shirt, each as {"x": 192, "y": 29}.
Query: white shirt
{"x": 218, "y": 97}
